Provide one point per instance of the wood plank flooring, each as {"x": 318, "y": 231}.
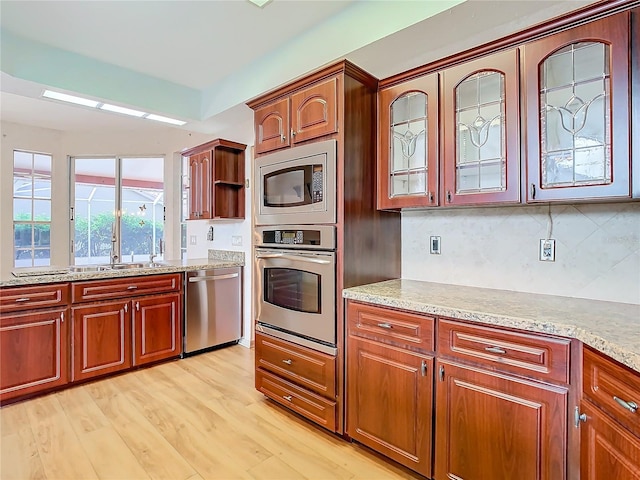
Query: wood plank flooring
{"x": 192, "y": 419}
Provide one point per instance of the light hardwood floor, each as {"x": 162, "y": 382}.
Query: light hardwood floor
{"x": 196, "y": 418}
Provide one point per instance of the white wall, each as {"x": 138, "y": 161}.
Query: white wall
{"x": 597, "y": 249}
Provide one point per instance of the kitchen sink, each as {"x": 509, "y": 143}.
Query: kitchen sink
{"x": 125, "y": 266}
{"x": 88, "y": 268}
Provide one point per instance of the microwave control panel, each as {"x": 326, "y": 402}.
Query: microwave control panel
{"x": 316, "y": 184}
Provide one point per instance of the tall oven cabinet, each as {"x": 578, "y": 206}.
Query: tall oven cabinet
{"x": 337, "y": 102}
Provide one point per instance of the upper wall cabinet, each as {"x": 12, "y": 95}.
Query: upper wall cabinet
{"x": 408, "y": 144}
{"x": 304, "y": 115}
{"x": 216, "y": 180}
{"x": 577, "y": 112}
{"x": 481, "y": 161}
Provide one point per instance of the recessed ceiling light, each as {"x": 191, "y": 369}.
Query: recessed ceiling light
{"x": 70, "y": 98}
{"x": 123, "y": 110}
{"x": 160, "y": 118}
{"x": 260, "y": 3}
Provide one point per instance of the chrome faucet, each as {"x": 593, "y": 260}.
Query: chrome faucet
{"x": 152, "y": 247}
{"x": 113, "y": 258}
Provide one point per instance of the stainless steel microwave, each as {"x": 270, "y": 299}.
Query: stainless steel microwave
{"x": 297, "y": 185}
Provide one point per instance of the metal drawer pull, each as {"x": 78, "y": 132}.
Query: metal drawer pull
{"x": 288, "y": 362}
{"x": 631, "y": 406}
{"x": 288, "y": 398}
{"x": 384, "y": 325}
{"x": 498, "y": 350}
{"x": 23, "y": 299}
{"x": 132, "y": 287}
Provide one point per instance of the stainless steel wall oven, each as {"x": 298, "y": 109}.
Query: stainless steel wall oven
{"x": 296, "y": 284}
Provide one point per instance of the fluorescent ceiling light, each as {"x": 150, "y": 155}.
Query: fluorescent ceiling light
{"x": 160, "y": 118}
{"x": 123, "y": 110}
{"x": 260, "y": 3}
{"x": 70, "y": 98}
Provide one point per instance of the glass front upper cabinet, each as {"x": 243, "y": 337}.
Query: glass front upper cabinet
{"x": 481, "y": 146}
{"x": 577, "y": 95}
{"x": 407, "y": 155}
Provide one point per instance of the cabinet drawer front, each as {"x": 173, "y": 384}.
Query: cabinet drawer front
{"x": 25, "y": 298}
{"x": 307, "y": 404}
{"x": 308, "y": 368}
{"x": 520, "y": 353}
{"x": 606, "y": 381}
{"x": 391, "y": 326}
{"x": 124, "y": 287}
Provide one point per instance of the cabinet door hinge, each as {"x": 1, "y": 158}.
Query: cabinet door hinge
{"x": 441, "y": 372}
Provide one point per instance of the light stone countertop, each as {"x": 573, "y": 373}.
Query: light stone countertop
{"x": 609, "y": 327}
{"x": 217, "y": 259}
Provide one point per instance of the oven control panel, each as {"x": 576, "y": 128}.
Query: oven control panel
{"x": 291, "y": 237}
{"x": 315, "y": 237}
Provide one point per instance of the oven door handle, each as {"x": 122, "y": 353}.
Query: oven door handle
{"x": 296, "y": 258}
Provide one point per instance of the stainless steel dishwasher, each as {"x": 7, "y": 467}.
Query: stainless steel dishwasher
{"x": 213, "y": 308}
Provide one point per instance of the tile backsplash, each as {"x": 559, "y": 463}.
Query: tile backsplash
{"x": 597, "y": 249}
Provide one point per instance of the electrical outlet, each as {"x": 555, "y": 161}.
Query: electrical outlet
{"x": 210, "y": 236}
{"x": 547, "y": 250}
{"x": 193, "y": 240}
{"x": 236, "y": 240}
{"x": 434, "y": 245}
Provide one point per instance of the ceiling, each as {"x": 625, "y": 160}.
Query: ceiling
{"x": 200, "y": 61}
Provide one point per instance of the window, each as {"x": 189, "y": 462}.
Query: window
{"x": 31, "y": 209}
{"x": 118, "y": 209}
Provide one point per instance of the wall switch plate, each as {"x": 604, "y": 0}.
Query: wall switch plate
{"x": 434, "y": 245}
{"x": 236, "y": 240}
{"x": 547, "y": 250}
{"x": 193, "y": 240}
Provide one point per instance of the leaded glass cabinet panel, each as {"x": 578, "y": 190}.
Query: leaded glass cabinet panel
{"x": 577, "y": 112}
{"x": 481, "y": 160}
{"x": 407, "y": 155}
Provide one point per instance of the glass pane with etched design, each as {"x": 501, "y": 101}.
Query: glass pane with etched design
{"x": 408, "y": 145}
{"x": 575, "y": 116}
{"x": 480, "y": 133}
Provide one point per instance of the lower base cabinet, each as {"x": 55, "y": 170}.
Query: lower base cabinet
{"x": 33, "y": 352}
{"x": 390, "y": 404}
{"x": 493, "y": 426}
{"x": 156, "y": 328}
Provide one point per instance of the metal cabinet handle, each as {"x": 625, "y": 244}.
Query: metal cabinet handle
{"x": 423, "y": 368}
{"x": 293, "y": 133}
{"x": 132, "y": 287}
{"x": 288, "y": 398}
{"x": 430, "y": 197}
{"x": 385, "y": 325}
{"x": 23, "y": 299}
{"x": 579, "y": 417}
{"x": 282, "y": 138}
{"x": 631, "y": 406}
{"x": 126, "y": 307}
{"x": 533, "y": 191}
{"x": 449, "y": 196}
{"x": 61, "y": 317}
{"x": 288, "y": 361}
{"x": 497, "y": 350}
{"x": 441, "y": 373}
{"x": 138, "y": 306}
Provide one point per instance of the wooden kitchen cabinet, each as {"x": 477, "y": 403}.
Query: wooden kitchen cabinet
{"x": 306, "y": 114}
{"x": 157, "y": 332}
{"x": 101, "y": 339}
{"x": 577, "y": 96}
{"x": 216, "y": 180}
{"x": 390, "y": 383}
{"x": 33, "y": 351}
{"x": 610, "y": 422}
{"x": 481, "y": 160}
{"x": 408, "y": 144}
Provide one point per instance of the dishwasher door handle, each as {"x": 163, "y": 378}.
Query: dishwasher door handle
{"x": 212, "y": 277}
{"x": 296, "y": 258}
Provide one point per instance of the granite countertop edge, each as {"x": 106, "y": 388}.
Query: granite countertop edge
{"x": 580, "y": 318}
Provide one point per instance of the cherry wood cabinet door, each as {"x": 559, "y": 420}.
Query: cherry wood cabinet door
{"x": 101, "y": 339}
{"x": 314, "y": 111}
{"x": 195, "y": 186}
{"x": 481, "y": 162}
{"x": 390, "y": 400}
{"x": 408, "y": 144}
{"x": 271, "y": 124}
{"x": 156, "y": 328}
{"x": 577, "y": 112}
{"x": 607, "y": 450}
{"x": 491, "y": 426}
{"x": 33, "y": 352}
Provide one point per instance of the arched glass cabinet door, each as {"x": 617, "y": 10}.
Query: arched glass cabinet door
{"x": 481, "y": 147}
{"x": 407, "y": 149}
{"x": 578, "y": 112}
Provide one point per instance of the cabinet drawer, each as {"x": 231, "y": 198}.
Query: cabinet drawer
{"x": 520, "y": 353}
{"x": 39, "y": 296}
{"x": 313, "y": 370}
{"x": 404, "y": 329}
{"x": 124, "y": 287}
{"x": 308, "y": 404}
{"x": 606, "y": 381}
